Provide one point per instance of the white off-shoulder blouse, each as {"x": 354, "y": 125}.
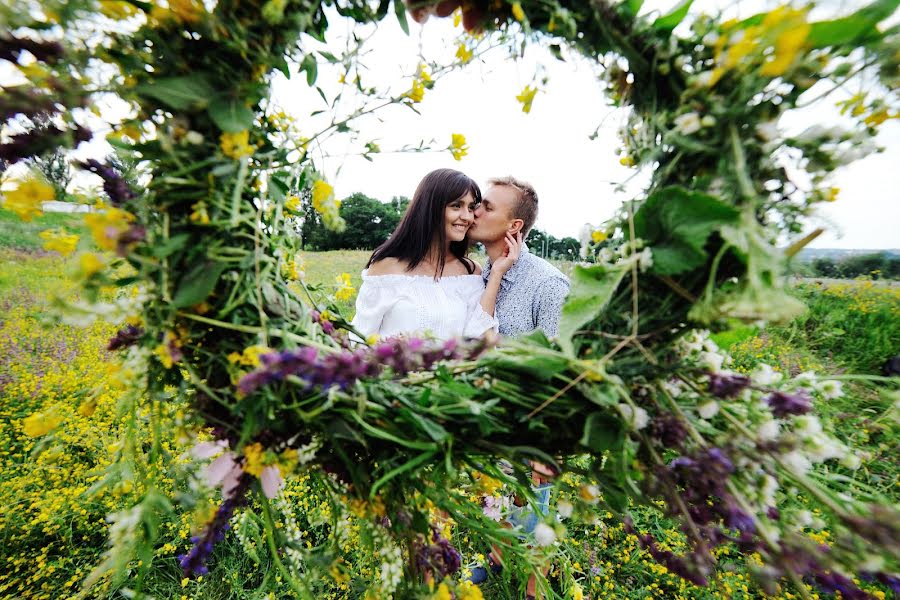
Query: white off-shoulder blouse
{"x": 389, "y": 305}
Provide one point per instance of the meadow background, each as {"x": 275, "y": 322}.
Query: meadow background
{"x": 56, "y": 489}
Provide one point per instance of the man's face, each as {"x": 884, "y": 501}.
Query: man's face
{"x": 493, "y": 217}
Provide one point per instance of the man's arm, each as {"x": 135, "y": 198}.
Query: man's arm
{"x": 549, "y": 309}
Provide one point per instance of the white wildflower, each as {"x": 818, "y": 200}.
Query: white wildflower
{"x": 688, "y": 123}
{"x": 564, "y": 508}
{"x": 544, "y": 535}
{"x": 830, "y": 389}
{"x": 712, "y": 360}
{"x": 708, "y": 409}
{"x": 796, "y": 461}
{"x": 807, "y": 425}
{"x": 765, "y": 375}
{"x": 636, "y": 417}
{"x": 193, "y": 137}
{"x": 645, "y": 259}
{"x": 708, "y": 121}
{"x": 768, "y": 431}
{"x": 768, "y": 131}
{"x": 851, "y": 461}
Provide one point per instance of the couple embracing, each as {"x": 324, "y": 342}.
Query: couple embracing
{"x": 421, "y": 281}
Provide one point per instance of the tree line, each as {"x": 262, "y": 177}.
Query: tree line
{"x": 877, "y": 265}
{"x": 370, "y": 222}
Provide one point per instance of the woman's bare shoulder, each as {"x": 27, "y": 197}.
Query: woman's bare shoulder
{"x": 387, "y": 266}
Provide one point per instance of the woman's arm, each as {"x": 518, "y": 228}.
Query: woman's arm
{"x": 498, "y": 269}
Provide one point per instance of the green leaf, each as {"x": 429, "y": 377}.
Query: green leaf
{"x": 400, "y": 11}
{"x": 590, "y": 291}
{"x": 278, "y": 188}
{"x": 600, "y": 432}
{"x": 670, "y": 21}
{"x": 853, "y": 29}
{"x": 230, "y": 114}
{"x": 179, "y": 93}
{"x": 173, "y": 244}
{"x": 632, "y": 7}
{"x": 311, "y": 67}
{"x": 676, "y": 224}
{"x": 198, "y": 283}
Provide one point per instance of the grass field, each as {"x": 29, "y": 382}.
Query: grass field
{"x": 53, "y": 525}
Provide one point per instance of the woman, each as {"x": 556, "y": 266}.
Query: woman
{"x": 420, "y": 280}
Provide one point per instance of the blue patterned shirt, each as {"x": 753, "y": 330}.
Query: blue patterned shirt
{"x": 532, "y": 294}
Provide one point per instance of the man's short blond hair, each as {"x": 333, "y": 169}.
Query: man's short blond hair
{"x": 526, "y": 207}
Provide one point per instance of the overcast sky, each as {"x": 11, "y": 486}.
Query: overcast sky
{"x": 574, "y": 176}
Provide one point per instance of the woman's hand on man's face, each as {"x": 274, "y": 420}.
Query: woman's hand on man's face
{"x": 510, "y": 255}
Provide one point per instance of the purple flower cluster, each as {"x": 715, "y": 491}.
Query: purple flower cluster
{"x": 670, "y": 429}
{"x": 784, "y": 404}
{"x": 127, "y": 336}
{"x": 343, "y": 369}
{"x": 194, "y": 562}
{"x": 727, "y": 386}
{"x": 113, "y": 184}
{"x": 439, "y": 557}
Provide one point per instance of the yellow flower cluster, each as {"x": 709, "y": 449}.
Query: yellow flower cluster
{"x": 598, "y": 236}
{"x": 345, "y": 291}
{"x": 26, "y": 198}
{"x": 59, "y": 240}
{"x": 107, "y": 225}
{"x": 776, "y": 43}
{"x": 326, "y": 204}
{"x": 292, "y": 204}
{"x": 417, "y": 91}
{"x": 458, "y": 147}
{"x": 294, "y": 269}
{"x": 236, "y": 145}
{"x": 463, "y": 53}
{"x": 183, "y": 11}
{"x": 526, "y": 97}
{"x": 249, "y": 357}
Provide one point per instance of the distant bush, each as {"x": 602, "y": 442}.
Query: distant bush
{"x": 876, "y": 265}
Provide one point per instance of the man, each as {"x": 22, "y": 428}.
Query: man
{"x": 531, "y": 296}
{"x": 532, "y": 291}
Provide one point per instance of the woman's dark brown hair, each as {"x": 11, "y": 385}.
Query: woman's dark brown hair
{"x": 423, "y": 223}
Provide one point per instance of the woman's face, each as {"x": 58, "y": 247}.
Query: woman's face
{"x": 458, "y": 217}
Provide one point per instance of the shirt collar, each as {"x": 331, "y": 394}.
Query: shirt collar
{"x": 513, "y": 272}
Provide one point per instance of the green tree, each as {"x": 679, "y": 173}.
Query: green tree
{"x": 369, "y": 223}
{"x": 56, "y": 169}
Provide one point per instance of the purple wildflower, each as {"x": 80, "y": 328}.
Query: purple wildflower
{"x": 127, "y": 336}
{"x": 727, "y": 386}
{"x": 669, "y": 429}
{"x": 736, "y": 518}
{"x": 835, "y": 582}
{"x": 194, "y": 562}
{"x": 783, "y": 404}
{"x": 343, "y": 369}
{"x": 439, "y": 557}
{"x": 113, "y": 184}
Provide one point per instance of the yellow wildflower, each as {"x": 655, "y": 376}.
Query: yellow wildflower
{"x": 25, "y": 200}
{"x": 294, "y": 269}
{"x": 458, "y": 146}
{"x": 457, "y": 17}
{"x": 463, "y": 53}
{"x": 187, "y": 11}
{"x": 236, "y": 145}
{"x": 832, "y": 194}
{"x": 626, "y": 161}
{"x": 598, "y": 236}
{"x": 879, "y": 116}
{"x": 576, "y": 592}
{"x": 59, "y": 240}
{"x": 787, "y": 45}
{"x": 417, "y": 91}
{"x": 292, "y": 204}
{"x": 199, "y": 216}
{"x": 107, "y": 226}
{"x": 117, "y": 9}
{"x": 442, "y": 593}
{"x": 526, "y": 97}
{"x": 517, "y": 12}
{"x": 325, "y": 204}
{"x": 345, "y": 288}
{"x": 40, "y": 424}
{"x": 255, "y": 456}
{"x": 467, "y": 590}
